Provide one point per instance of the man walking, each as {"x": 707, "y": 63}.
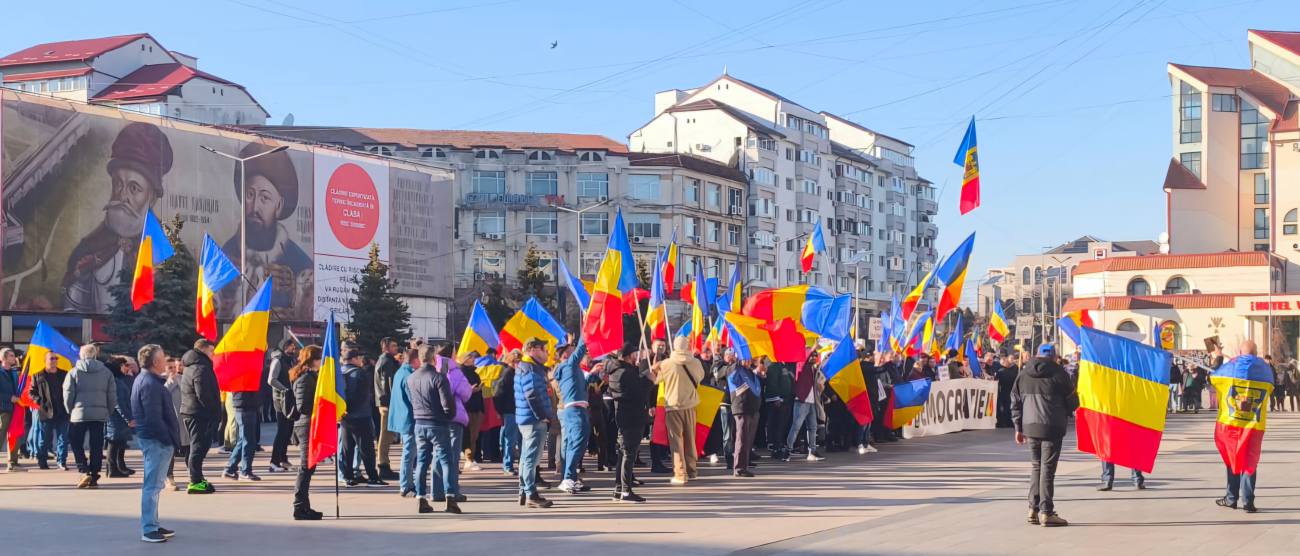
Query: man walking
{"x": 358, "y": 423}
{"x": 1243, "y": 386}
{"x": 1108, "y": 477}
{"x": 200, "y": 410}
{"x": 807, "y": 389}
{"x": 89, "y": 394}
{"x": 47, "y": 392}
{"x": 282, "y": 360}
{"x": 433, "y": 406}
{"x": 574, "y": 419}
{"x": 1042, "y": 399}
{"x": 680, "y": 375}
{"x": 157, "y": 433}
{"x": 9, "y": 403}
{"x": 385, "y": 371}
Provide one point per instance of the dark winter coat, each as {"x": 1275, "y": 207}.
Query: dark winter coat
{"x": 432, "y": 401}
{"x": 47, "y": 392}
{"x": 155, "y": 417}
{"x": 1042, "y": 400}
{"x": 358, "y": 391}
{"x": 200, "y": 395}
{"x": 385, "y": 369}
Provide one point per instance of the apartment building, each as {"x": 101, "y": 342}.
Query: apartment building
{"x": 558, "y": 192}
{"x": 131, "y": 72}
{"x": 805, "y": 167}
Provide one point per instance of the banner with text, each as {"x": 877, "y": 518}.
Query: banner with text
{"x": 352, "y": 212}
{"x": 956, "y": 405}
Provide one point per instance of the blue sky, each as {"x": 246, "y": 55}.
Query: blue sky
{"x": 1071, "y": 97}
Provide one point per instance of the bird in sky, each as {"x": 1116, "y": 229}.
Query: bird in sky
{"x": 554, "y": 44}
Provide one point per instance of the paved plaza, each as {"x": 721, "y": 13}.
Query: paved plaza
{"x": 954, "y": 494}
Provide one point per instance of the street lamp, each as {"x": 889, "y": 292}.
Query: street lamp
{"x": 243, "y": 211}
{"x": 579, "y": 212}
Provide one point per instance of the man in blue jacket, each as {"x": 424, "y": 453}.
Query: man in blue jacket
{"x": 534, "y": 414}
{"x": 574, "y": 419}
{"x": 157, "y": 432}
{"x": 401, "y": 422}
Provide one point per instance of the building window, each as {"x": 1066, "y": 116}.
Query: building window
{"x": 764, "y": 176}
{"x": 1254, "y": 138}
{"x": 1261, "y": 189}
{"x": 644, "y": 187}
{"x": 1289, "y": 223}
{"x": 692, "y": 192}
{"x": 1129, "y": 327}
{"x": 541, "y": 224}
{"x": 1261, "y": 247}
{"x": 1038, "y": 276}
{"x": 1138, "y": 286}
{"x": 714, "y": 230}
{"x": 735, "y": 201}
{"x": 595, "y": 223}
{"x": 591, "y": 156}
{"x": 492, "y": 154}
{"x": 540, "y": 156}
{"x": 433, "y": 152}
{"x": 1024, "y": 275}
{"x": 1026, "y": 305}
{"x": 714, "y": 195}
{"x": 643, "y": 225}
{"x": 593, "y": 185}
{"x": 542, "y": 183}
{"x": 490, "y": 222}
{"x": 733, "y": 235}
{"x": 767, "y": 143}
{"x": 1192, "y": 161}
{"x": 1223, "y": 103}
{"x": 692, "y": 227}
{"x": 1177, "y": 285}
{"x": 381, "y": 150}
{"x": 1189, "y": 109}
{"x": 489, "y": 182}
{"x": 1261, "y": 223}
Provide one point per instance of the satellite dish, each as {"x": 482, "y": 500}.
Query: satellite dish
{"x": 1163, "y": 241}
{"x": 288, "y": 119}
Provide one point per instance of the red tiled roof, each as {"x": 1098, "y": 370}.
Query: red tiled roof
{"x": 1178, "y": 176}
{"x": 155, "y": 80}
{"x": 74, "y": 72}
{"x": 689, "y": 162}
{"x": 1289, "y": 40}
{"x": 67, "y": 51}
{"x": 1271, "y": 93}
{"x": 1191, "y": 260}
{"x": 740, "y": 115}
{"x": 1181, "y": 301}
{"x": 460, "y": 139}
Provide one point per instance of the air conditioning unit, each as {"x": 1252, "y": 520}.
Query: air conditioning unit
{"x": 602, "y": 199}
{"x": 494, "y": 236}
{"x": 703, "y": 148}
{"x": 583, "y": 237}
{"x": 638, "y": 240}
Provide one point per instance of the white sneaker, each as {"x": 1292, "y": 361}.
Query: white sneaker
{"x": 713, "y": 458}
{"x": 812, "y": 456}
{"x": 276, "y": 468}
{"x": 568, "y": 486}
{"x": 862, "y": 449}
{"x": 872, "y": 449}
{"x": 472, "y": 466}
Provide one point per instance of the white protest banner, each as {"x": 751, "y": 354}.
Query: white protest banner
{"x": 956, "y": 405}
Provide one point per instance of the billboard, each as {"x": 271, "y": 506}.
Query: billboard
{"x": 76, "y": 181}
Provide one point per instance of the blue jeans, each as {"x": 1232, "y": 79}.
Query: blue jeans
{"x": 405, "y": 480}
{"x": 532, "y": 436}
{"x": 157, "y": 457}
{"x": 805, "y": 416}
{"x": 34, "y": 432}
{"x": 1108, "y": 474}
{"x": 728, "y": 424}
{"x": 242, "y": 455}
{"x": 509, "y": 441}
{"x": 1243, "y": 484}
{"x": 576, "y": 424}
{"x": 53, "y": 431}
{"x": 863, "y": 436}
{"x": 457, "y": 445}
{"x": 434, "y": 441}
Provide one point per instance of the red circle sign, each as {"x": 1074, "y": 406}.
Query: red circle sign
{"x": 352, "y": 206}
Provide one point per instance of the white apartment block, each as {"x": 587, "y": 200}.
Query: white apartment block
{"x": 132, "y": 72}
{"x": 805, "y": 167}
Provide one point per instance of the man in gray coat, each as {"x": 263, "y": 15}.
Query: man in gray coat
{"x": 89, "y": 394}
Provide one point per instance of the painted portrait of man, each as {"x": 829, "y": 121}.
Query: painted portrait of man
{"x": 141, "y": 155}
{"x": 271, "y": 197}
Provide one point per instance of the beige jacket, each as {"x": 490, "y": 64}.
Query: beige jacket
{"x": 680, "y": 374}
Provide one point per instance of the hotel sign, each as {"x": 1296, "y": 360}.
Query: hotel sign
{"x": 1262, "y": 305}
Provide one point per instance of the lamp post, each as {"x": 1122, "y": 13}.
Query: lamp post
{"x": 243, "y": 211}
{"x": 579, "y": 212}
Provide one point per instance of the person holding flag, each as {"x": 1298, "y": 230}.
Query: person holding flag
{"x": 680, "y": 376}
{"x": 315, "y": 447}
{"x": 47, "y": 392}
{"x": 1041, "y": 402}
{"x": 10, "y": 409}
{"x": 1244, "y": 386}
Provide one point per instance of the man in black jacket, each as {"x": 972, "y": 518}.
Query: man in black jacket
{"x": 433, "y": 406}
{"x": 47, "y": 392}
{"x": 1041, "y": 402}
{"x": 282, "y": 360}
{"x": 630, "y": 390}
{"x": 385, "y": 368}
{"x": 200, "y": 410}
{"x": 358, "y": 423}
{"x": 1006, "y": 373}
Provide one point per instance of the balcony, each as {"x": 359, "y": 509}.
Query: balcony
{"x": 927, "y": 206}
{"x": 808, "y": 200}
{"x": 895, "y": 276}
{"x": 928, "y": 230}
{"x": 895, "y": 222}
{"x": 895, "y": 197}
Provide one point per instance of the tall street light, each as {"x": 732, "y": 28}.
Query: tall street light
{"x": 243, "y": 211}
{"x": 579, "y": 213}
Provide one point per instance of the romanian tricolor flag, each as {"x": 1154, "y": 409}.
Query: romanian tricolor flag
{"x": 668, "y": 264}
{"x": 953, "y": 275}
{"x": 329, "y": 405}
{"x": 489, "y": 373}
{"x": 929, "y": 341}
{"x": 44, "y": 341}
{"x": 998, "y": 329}
{"x": 914, "y": 297}
{"x": 843, "y": 372}
{"x": 753, "y": 338}
{"x": 915, "y": 333}
{"x": 955, "y": 337}
{"x": 238, "y": 358}
{"x": 825, "y": 315}
{"x": 816, "y": 244}
{"x": 705, "y": 412}
{"x": 968, "y": 158}
{"x": 897, "y": 326}
{"x": 1072, "y": 322}
{"x": 154, "y": 249}
{"x": 656, "y": 317}
{"x": 215, "y": 271}
{"x": 1244, "y": 386}
{"x": 1123, "y": 392}
{"x": 480, "y": 335}
{"x": 906, "y": 402}
{"x": 532, "y": 321}
{"x": 700, "y": 309}
{"x": 731, "y": 297}
{"x": 603, "y": 326}
{"x": 581, "y": 289}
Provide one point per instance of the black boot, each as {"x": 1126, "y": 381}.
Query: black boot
{"x": 306, "y": 514}
{"x": 425, "y": 508}
{"x": 537, "y": 501}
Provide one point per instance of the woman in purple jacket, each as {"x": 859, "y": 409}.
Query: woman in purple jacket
{"x": 461, "y": 388}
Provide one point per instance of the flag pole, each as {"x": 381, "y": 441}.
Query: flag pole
{"x": 337, "y": 457}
